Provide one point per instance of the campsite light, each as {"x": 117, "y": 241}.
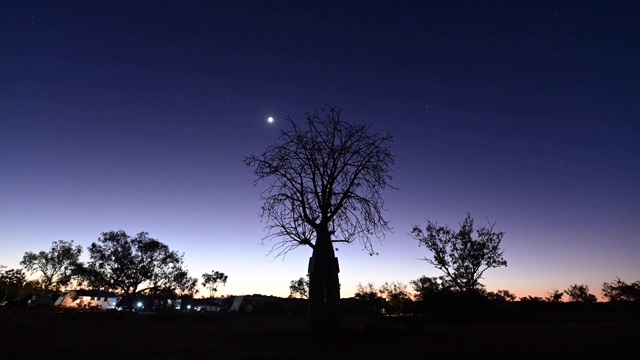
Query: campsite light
{"x": 139, "y": 304}
{"x": 188, "y": 307}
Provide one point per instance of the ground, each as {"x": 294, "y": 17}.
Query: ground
{"x": 198, "y": 336}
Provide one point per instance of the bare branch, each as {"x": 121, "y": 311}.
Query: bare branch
{"x": 329, "y": 174}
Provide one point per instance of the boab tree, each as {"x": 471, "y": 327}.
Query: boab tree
{"x": 324, "y": 181}
{"x": 462, "y": 257}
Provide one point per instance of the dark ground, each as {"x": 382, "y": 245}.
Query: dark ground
{"x": 194, "y": 336}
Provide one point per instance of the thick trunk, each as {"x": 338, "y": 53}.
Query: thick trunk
{"x": 324, "y": 286}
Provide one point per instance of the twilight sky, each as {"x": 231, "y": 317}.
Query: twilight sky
{"x": 137, "y": 115}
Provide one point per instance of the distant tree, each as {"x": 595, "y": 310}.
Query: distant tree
{"x": 426, "y": 287}
{"x": 554, "y": 296}
{"x": 619, "y": 290}
{"x": 11, "y": 282}
{"x": 530, "y": 298}
{"x": 324, "y": 182}
{"x": 501, "y": 295}
{"x": 367, "y": 292}
{"x": 462, "y": 258}
{"x": 133, "y": 265}
{"x": 173, "y": 280}
{"x": 211, "y": 281}
{"x": 396, "y": 294}
{"x": 54, "y": 266}
{"x": 580, "y": 293}
{"x": 189, "y": 288}
{"x": 299, "y": 288}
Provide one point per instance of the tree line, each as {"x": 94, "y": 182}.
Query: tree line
{"x": 323, "y": 182}
{"x": 129, "y": 265}
{"x": 463, "y": 256}
{"x": 140, "y": 264}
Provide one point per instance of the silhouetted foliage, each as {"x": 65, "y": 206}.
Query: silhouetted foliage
{"x": 442, "y": 301}
{"x": 619, "y": 290}
{"x": 530, "y": 298}
{"x": 324, "y": 182}
{"x": 11, "y": 282}
{"x": 580, "y": 293}
{"x": 554, "y": 296}
{"x": 134, "y": 265}
{"x": 396, "y": 294}
{"x": 426, "y": 287}
{"x": 501, "y": 295}
{"x": 54, "y": 266}
{"x": 367, "y": 292}
{"x": 211, "y": 281}
{"x": 461, "y": 257}
{"x": 31, "y": 287}
{"x": 299, "y": 288}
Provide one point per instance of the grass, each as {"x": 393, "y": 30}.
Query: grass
{"x": 206, "y": 336}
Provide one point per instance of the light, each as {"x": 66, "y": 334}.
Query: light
{"x": 270, "y": 119}
{"x": 139, "y": 304}
{"x": 188, "y": 307}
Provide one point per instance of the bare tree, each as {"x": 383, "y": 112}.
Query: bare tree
{"x": 324, "y": 181}
{"x": 54, "y": 266}
{"x": 461, "y": 257}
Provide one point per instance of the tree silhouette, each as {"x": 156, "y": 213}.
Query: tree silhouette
{"x": 211, "y": 281}
{"x": 299, "y": 288}
{"x": 621, "y": 291}
{"x": 529, "y": 298}
{"x": 501, "y": 295}
{"x": 554, "y": 296}
{"x": 461, "y": 257}
{"x": 11, "y": 281}
{"x": 55, "y": 266}
{"x": 580, "y": 293}
{"x": 133, "y": 265}
{"x": 367, "y": 292}
{"x": 324, "y": 182}
{"x": 396, "y": 294}
{"x": 426, "y": 287}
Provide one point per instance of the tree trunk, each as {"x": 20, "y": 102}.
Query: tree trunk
{"x": 324, "y": 286}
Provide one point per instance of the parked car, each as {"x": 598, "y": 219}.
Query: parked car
{"x": 211, "y": 306}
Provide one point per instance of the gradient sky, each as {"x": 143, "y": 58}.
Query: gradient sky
{"x": 136, "y": 115}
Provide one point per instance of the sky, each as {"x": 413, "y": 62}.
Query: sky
{"x": 137, "y": 116}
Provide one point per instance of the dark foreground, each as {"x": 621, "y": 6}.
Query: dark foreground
{"x": 193, "y": 336}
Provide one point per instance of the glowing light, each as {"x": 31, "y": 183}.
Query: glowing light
{"x": 270, "y": 119}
